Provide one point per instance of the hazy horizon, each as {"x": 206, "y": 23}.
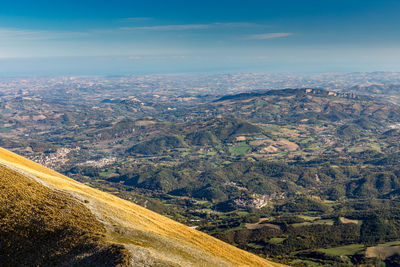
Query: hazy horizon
{"x": 168, "y": 37}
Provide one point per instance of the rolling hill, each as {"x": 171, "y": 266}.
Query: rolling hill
{"x": 309, "y": 106}
{"x": 42, "y": 210}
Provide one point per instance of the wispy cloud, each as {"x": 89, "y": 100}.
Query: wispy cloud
{"x": 179, "y": 27}
{"x": 25, "y": 35}
{"x": 237, "y": 24}
{"x": 265, "y": 36}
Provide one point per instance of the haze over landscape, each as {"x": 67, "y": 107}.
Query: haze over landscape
{"x": 208, "y": 133}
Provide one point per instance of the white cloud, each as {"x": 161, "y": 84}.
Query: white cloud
{"x": 25, "y": 35}
{"x": 178, "y": 27}
{"x": 170, "y": 27}
{"x": 265, "y": 36}
{"x": 237, "y": 24}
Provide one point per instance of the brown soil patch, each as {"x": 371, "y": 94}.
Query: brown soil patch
{"x": 258, "y": 142}
{"x": 269, "y": 149}
{"x": 241, "y": 138}
{"x": 287, "y": 145}
{"x": 381, "y": 252}
{"x": 260, "y": 224}
{"x": 345, "y": 220}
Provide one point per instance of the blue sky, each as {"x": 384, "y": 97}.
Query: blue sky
{"x": 127, "y": 37}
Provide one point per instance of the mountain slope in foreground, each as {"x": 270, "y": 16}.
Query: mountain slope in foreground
{"x": 49, "y": 219}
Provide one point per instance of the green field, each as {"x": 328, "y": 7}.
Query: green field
{"x": 106, "y": 173}
{"x": 306, "y": 262}
{"x": 343, "y": 250}
{"x": 392, "y": 243}
{"x": 276, "y": 240}
{"x": 272, "y": 128}
{"x": 375, "y": 146}
{"x": 240, "y": 149}
{"x": 253, "y": 245}
{"x": 327, "y": 222}
{"x": 309, "y": 218}
{"x": 5, "y": 130}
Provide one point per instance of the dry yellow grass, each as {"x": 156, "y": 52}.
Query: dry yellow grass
{"x": 287, "y": 145}
{"x": 44, "y": 227}
{"x": 152, "y": 238}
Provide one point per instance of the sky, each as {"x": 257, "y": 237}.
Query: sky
{"x": 40, "y": 37}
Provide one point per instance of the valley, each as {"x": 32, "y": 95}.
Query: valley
{"x": 305, "y": 176}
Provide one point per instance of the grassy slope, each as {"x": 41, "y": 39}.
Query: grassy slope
{"x": 152, "y": 238}
{"x": 40, "y": 226}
